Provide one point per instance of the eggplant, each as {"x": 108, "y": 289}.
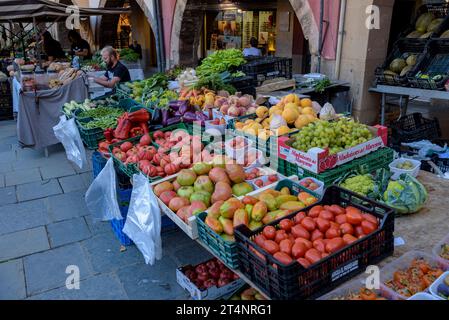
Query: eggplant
{"x": 156, "y": 117}
{"x": 165, "y": 116}
{"x": 185, "y": 108}
{"x": 201, "y": 116}
{"x": 189, "y": 116}
{"x": 174, "y": 105}
{"x": 173, "y": 120}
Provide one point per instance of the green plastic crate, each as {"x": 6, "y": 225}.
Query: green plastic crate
{"x": 227, "y": 251}
{"x": 369, "y": 163}
{"x": 90, "y": 137}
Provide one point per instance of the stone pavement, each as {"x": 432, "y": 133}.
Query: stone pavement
{"x": 45, "y": 227}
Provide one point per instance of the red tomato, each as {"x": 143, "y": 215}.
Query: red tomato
{"x": 280, "y": 235}
{"x": 361, "y": 236}
{"x": 304, "y": 262}
{"x": 286, "y": 224}
{"x": 340, "y": 219}
{"x": 299, "y": 250}
{"x": 322, "y": 224}
{"x": 271, "y": 246}
{"x": 283, "y": 258}
{"x": 260, "y": 240}
{"x": 334, "y": 245}
{"x": 291, "y": 237}
{"x": 333, "y": 233}
{"x": 348, "y": 239}
{"x": 326, "y": 215}
{"x": 308, "y": 224}
{"x": 319, "y": 245}
{"x": 326, "y": 207}
{"x": 298, "y": 231}
{"x": 337, "y": 210}
{"x": 334, "y": 225}
{"x": 370, "y": 218}
{"x": 286, "y": 246}
{"x": 313, "y": 255}
{"x": 358, "y": 231}
{"x": 269, "y": 232}
{"x": 299, "y": 216}
{"x": 315, "y": 211}
{"x": 316, "y": 234}
{"x": 353, "y": 216}
{"x": 306, "y": 242}
{"x": 368, "y": 227}
{"x": 324, "y": 255}
{"x": 346, "y": 228}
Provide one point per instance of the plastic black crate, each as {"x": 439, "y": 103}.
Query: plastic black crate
{"x": 439, "y": 10}
{"x": 5, "y": 88}
{"x": 434, "y": 62}
{"x": 402, "y": 49}
{"x": 268, "y": 68}
{"x": 414, "y": 127}
{"x": 293, "y": 282}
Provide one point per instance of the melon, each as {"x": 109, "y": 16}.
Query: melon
{"x": 424, "y": 21}
{"x": 415, "y": 34}
{"x": 411, "y": 60}
{"x": 405, "y": 70}
{"x": 390, "y": 73}
{"x": 397, "y": 65}
{"x": 290, "y": 115}
{"x": 445, "y": 34}
{"x": 433, "y": 26}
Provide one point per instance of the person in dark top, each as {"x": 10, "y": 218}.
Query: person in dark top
{"x": 137, "y": 48}
{"x": 52, "y": 48}
{"x": 79, "y": 46}
{"x": 116, "y": 71}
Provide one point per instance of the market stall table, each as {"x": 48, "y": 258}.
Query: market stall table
{"x": 424, "y": 229}
{"x": 404, "y": 96}
{"x": 39, "y": 112}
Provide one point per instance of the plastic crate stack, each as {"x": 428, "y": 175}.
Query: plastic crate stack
{"x": 6, "y": 112}
{"x": 268, "y": 68}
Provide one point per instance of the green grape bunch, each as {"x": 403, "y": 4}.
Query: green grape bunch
{"x": 334, "y": 135}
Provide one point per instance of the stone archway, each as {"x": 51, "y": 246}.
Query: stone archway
{"x": 186, "y": 31}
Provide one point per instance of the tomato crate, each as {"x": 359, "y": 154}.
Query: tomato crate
{"x": 403, "y": 48}
{"x": 129, "y": 169}
{"x": 369, "y": 163}
{"x": 227, "y": 251}
{"x": 414, "y": 127}
{"x": 292, "y": 282}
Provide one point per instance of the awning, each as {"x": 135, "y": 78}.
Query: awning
{"x": 45, "y": 11}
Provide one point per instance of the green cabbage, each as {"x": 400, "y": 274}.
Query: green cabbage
{"x": 406, "y": 195}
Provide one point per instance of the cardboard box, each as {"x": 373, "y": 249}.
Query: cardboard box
{"x": 318, "y": 160}
{"x": 212, "y": 293}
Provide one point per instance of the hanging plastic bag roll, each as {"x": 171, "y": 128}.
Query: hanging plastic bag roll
{"x": 67, "y": 132}
{"x": 101, "y": 197}
{"x": 143, "y": 222}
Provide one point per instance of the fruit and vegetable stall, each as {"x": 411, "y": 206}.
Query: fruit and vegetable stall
{"x": 293, "y": 200}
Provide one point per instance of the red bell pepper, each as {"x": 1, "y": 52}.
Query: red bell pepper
{"x": 136, "y": 131}
{"x": 144, "y": 127}
{"x": 109, "y": 134}
{"x": 124, "y": 125}
{"x": 140, "y": 115}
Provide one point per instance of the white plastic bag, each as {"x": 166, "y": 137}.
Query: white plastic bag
{"x": 67, "y": 132}
{"x": 143, "y": 222}
{"x": 328, "y": 112}
{"x": 277, "y": 122}
{"x": 101, "y": 197}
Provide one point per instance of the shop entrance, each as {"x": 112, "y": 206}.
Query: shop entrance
{"x": 120, "y": 31}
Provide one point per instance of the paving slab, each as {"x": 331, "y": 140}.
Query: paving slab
{"x": 101, "y": 287}
{"x": 5, "y": 167}
{"x": 157, "y": 282}
{"x": 8, "y": 195}
{"x": 7, "y": 157}
{"x": 104, "y": 253}
{"x": 72, "y": 183}
{"x": 68, "y": 231}
{"x": 47, "y": 270}
{"x": 22, "y": 216}
{"x": 193, "y": 253}
{"x": 12, "y": 280}
{"x": 36, "y": 190}
{"x": 22, "y": 176}
{"x": 87, "y": 178}
{"x": 98, "y": 227}
{"x": 62, "y": 169}
{"x": 52, "y": 160}
{"x": 22, "y": 243}
{"x": 66, "y": 206}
